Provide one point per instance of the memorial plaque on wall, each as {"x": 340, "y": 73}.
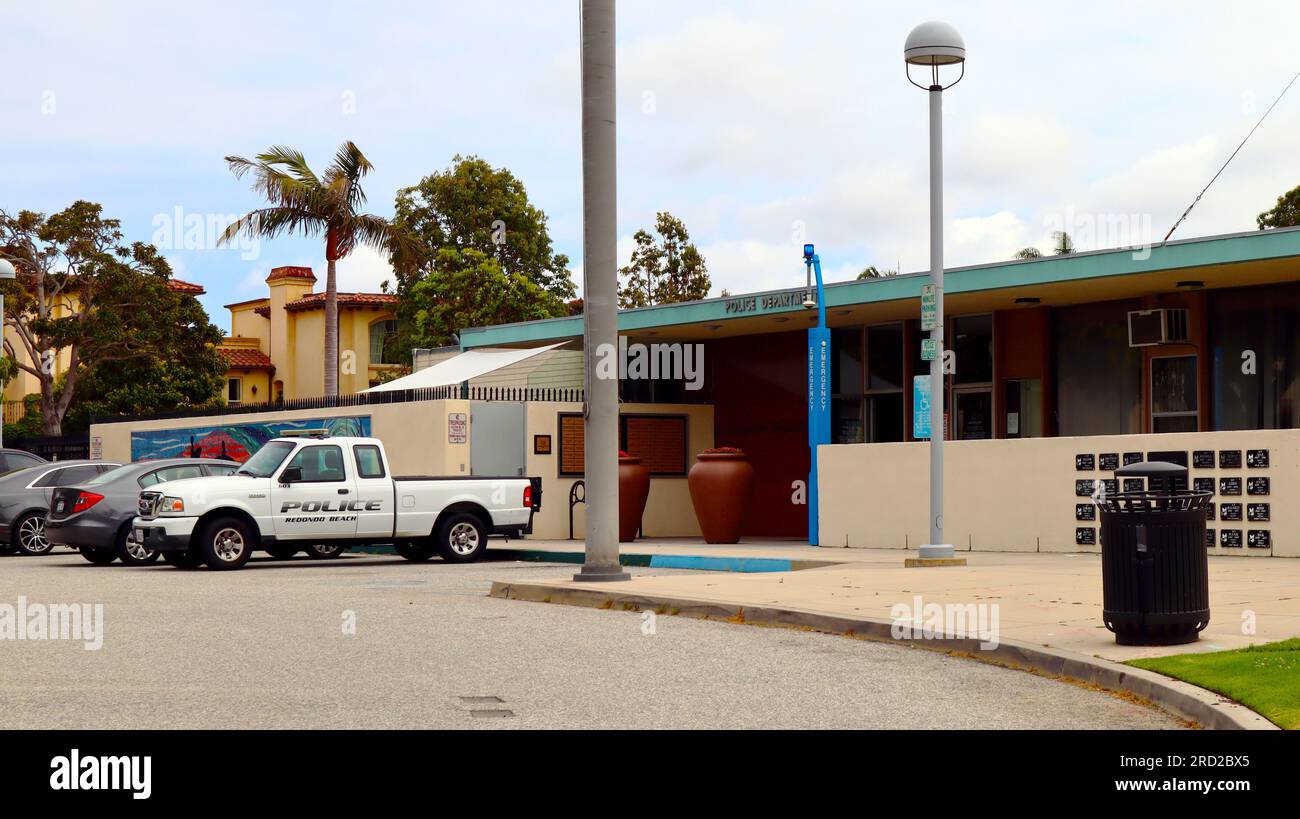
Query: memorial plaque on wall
{"x": 1210, "y": 512}
{"x": 1085, "y": 511}
{"x": 1229, "y": 486}
{"x": 1229, "y": 511}
{"x": 1111, "y": 486}
{"x": 1230, "y": 538}
{"x": 1108, "y": 461}
{"x": 1257, "y": 458}
{"x": 1210, "y": 543}
{"x": 1083, "y": 489}
{"x": 1132, "y": 458}
{"x": 1085, "y": 463}
{"x": 1203, "y": 485}
{"x": 1257, "y": 486}
{"x": 1203, "y": 459}
{"x": 1259, "y": 539}
{"x": 1229, "y": 459}
{"x": 1085, "y": 536}
{"x": 1258, "y": 512}
{"x": 1134, "y": 484}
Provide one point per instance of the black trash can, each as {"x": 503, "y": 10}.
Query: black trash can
{"x": 1155, "y": 573}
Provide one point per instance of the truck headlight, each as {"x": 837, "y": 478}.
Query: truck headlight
{"x": 170, "y": 504}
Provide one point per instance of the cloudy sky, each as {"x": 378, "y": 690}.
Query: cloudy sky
{"x": 758, "y": 123}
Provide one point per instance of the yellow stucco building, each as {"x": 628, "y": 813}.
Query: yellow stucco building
{"x": 276, "y": 343}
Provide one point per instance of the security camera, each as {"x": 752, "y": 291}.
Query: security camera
{"x": 809, "y": 303}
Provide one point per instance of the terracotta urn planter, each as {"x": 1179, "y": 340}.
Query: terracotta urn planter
{"x": 720, "y": 484}
{"x": 633, "y": 491}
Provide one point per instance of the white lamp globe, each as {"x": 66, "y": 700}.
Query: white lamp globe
{"x": 934, "y": 43}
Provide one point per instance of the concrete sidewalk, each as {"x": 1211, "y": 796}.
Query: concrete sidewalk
{"x": 1051, "y": 600}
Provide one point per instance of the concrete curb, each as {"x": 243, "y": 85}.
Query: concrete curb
{"x": 652, "y": 560}
{"x": 1182, "y": 699}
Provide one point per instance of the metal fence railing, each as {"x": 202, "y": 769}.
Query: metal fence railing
{"x": 454, "y": 391}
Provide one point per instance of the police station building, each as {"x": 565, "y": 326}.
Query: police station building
{"x": 1064, "y": 368}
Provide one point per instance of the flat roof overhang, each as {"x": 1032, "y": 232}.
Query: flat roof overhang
{"x": 1235, "y": 260}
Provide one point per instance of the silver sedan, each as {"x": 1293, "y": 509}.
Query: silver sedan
{"x": 25, "y": 497}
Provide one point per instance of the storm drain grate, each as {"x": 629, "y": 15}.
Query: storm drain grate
{"x": 492, "y": 712}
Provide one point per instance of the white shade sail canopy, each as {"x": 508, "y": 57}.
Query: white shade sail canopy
{"x": 461, "y": 368}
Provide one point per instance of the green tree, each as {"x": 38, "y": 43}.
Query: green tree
{"x": 329, "y": 204}
{"x": 1286, "y": 213}
{"x": 1029, "y": 253}
{"x": 82, "y": 290}
{"x": 467, "y": 288}
{"x": 872, "y": 272}
{"x": 665, "y": 270}
{"x": 473, "y": 206}
{"x": 1062, "y": 244}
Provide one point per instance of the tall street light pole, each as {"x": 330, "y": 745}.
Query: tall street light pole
{"x": 934, "y": 45}
{"x": 599, "y": 291}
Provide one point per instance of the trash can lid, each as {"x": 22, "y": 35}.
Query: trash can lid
{"x": 1152, "y": 469}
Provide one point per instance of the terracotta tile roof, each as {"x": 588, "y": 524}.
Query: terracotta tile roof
{"x": 264, "y": 311}
{"x": 186, "y": 287}
{"x": 316, "y": 301}
{"x": 244, "y": 358}
{"x": 278, "y": 273}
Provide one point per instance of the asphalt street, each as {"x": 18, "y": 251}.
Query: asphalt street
{"x": 377, "y": 642}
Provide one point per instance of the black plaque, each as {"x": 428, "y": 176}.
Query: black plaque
{"x": 1203, "y": 484}
{"x": 1134, "y": 484}
{"x": 1085, "y": 511}
{"x": 1229, "y": 459}
{"x": 1209, "y": 512}
{"x": 1257, "y": 458}
{"x": 1258, "y": 512}
{"x": 1083, "y": 489}
{"x": 1229, "y": 511}
{"x": 1259, "y": 539}
{"x": 1229, "y": 486}
{"x": 1132, "y": 458}
{"x": 1210, "y": 542}
{"x": 1108, "y": 461}
{"x": 1257, "y": 486}
{"x": 1085, "y": 463}
{"x": 1203, "y": 459}
{"x": 1085, "y": 536}
{"x": 1230, "y": 538}
{"x": 1111, "y": 486}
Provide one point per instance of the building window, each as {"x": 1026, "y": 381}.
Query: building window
{"x": 380, "y": 333}
{"x": 234, "y": 390}
{"x": 1173, "y": 394}
{"x": 1255, "y": 357}
{"x": 1098, "y": 376}
{"x": 867, "y": 384}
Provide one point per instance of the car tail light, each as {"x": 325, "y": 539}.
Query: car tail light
{"x": 85, "y": 500}
{"x": 528, "y": 497}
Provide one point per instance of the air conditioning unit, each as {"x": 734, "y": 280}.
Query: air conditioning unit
{"x": 1148, "y": 328}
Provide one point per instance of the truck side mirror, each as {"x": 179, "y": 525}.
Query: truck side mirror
{"x": 291, "y": 474}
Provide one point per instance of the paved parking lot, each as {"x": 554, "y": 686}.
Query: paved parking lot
{"x": 269, "y": 647}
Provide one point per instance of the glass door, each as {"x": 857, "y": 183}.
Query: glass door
{"x": 974, "y": 411}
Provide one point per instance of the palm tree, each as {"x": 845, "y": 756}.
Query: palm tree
{"x": 302, "y": 202}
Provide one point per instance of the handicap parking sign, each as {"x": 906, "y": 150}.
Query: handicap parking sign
{"x": 921, "y": 406}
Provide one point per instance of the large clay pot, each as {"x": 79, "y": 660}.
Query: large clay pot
{"x": 720, "y": 485}
{"x": 633, "y": 490}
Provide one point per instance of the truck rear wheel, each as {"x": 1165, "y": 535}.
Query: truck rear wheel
{"x": 225, "y": 543}
{"x": 462, "y": 538}
{"x": 416, "y": 551}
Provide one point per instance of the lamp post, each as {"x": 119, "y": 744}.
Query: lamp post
{"x": 935, "y": 45}
{"x": 7, "y": 271}
{"x": 599, "y": 290}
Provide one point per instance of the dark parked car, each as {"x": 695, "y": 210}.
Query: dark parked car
{"x": 25, "y": 498}
{"x": 14, "y": 459}
{"x": 94, "y": 516}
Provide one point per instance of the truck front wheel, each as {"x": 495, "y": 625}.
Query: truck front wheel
{"x": 225, "y": 543}
{"x": 462, "y": 538}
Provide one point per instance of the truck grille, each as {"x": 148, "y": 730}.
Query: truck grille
{"x": 148, "y": 504}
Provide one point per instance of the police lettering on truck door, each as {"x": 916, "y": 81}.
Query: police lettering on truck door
{"x": 324, "y": 503}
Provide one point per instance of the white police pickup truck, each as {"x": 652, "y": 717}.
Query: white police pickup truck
{"x": 326, "y": 494}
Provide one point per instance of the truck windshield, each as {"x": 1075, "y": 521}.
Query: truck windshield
{"x": 267, "y": 459}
